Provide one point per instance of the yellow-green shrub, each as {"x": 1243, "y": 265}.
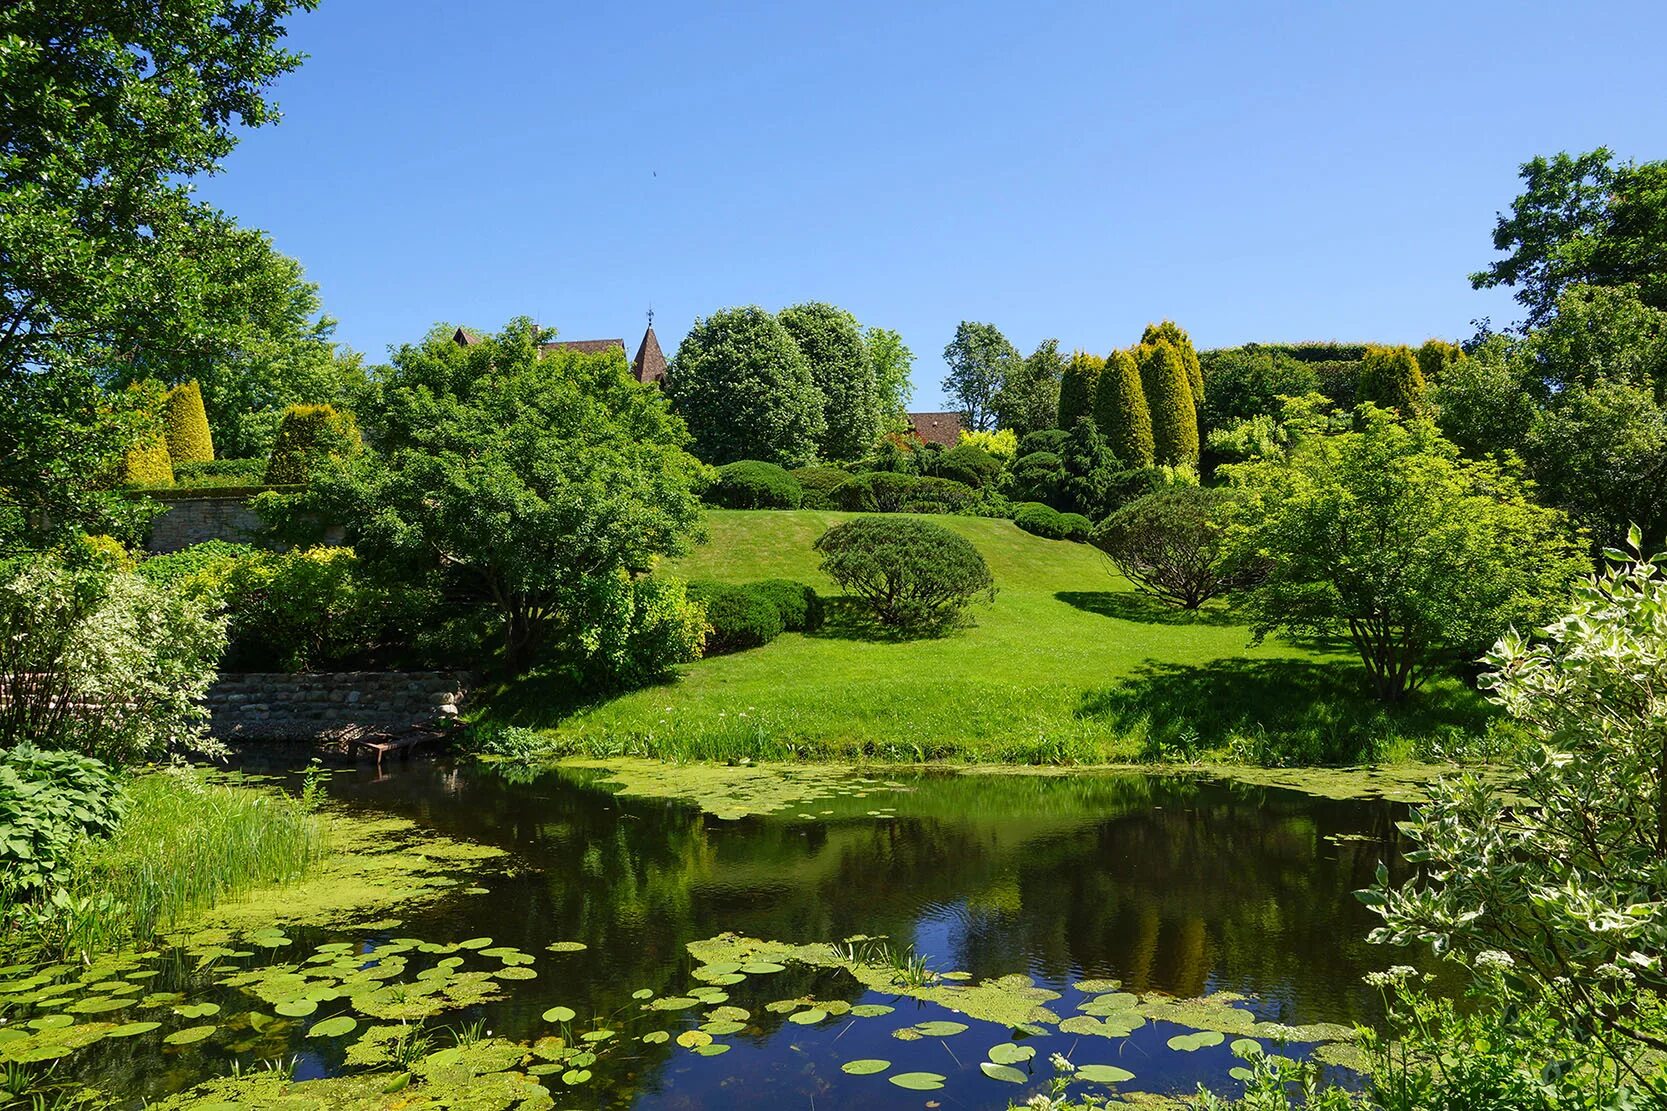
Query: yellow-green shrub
{"x": 189, "y": 440}
{"x": 1172, "y": 333}
{"x": 1077, "y": 385}
{"x": 1390, "y": 377}
{"x": 1003, "y": 444}
{"x": 1163, "y": 377}
{"x": 147, "y": 463}
{"x": 1121, "y": 412}
{"x": 308, "y": 434}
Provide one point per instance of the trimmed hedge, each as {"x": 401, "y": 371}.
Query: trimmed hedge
{"x": 739, "y": 617}
{"x": 1047, "y": 522}
{"x": 147, "y": 463}
{"x": 893, "y": 492}
{"x": 307, "y": 435}
{"x": 754, "y": 484}
{"x": 821, "y": 486}
{"x": 799, "y": 605}
{"x": 969, "y": 465}
{"x": 189, "y": 440}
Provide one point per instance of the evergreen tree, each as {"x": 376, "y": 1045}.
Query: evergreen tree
{"x": 1121, "y": 412}
{"x": 1435, "y": 356}
{"x": 1172, "y": 333}
{"x": 1077, "y": 386}
{"x": 1163, "y": 377}
{"x": 1389, "y": 376}
{"x": 187, "y": 423}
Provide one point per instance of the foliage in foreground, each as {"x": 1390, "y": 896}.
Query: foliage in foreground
{"x": 915, "y": 576}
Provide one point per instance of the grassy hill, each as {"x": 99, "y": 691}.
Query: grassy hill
{"x": 1068, "y": 664}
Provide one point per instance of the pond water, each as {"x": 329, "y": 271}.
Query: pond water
{"x": 1108, "y": 892}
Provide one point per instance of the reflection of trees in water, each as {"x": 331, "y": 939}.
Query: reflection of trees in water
{"x": 1166, "y": 884}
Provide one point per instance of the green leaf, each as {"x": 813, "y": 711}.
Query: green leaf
{"x": 333, "y": 1027}
{"x": 1003, "y": 1072}
{"x": 918, "y": 1081}
{"x": 865, "y": 1066}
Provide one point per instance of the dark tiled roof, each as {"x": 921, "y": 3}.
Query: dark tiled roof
{"x": 650, "y": 363}
{"x": 937, "y": 428}
{"x": 464, "y": 338}
{"x": 585, "y": 346}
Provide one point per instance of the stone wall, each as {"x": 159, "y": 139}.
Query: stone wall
{"x": 279, "y": 706}
{"x": 200, "y": 515}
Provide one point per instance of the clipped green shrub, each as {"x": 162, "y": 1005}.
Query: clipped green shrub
{"x": 1173, "y": 334}
{"x": 147, "y": 463}
{"x": 737, "y": 617}
{"x": 969, "y": 465}
{"x": 307, "y": 435}
{"x": 1390, "y": 377}
{"x": 754, "y": 484}
{"x": 799, "y": 605}
{"x": 48, "y": 802}
{"x": 914, "y": 575}
{"x": 1078, "y": 384}
{"x": 1077, "y": 527}
{"x": 1121, "y": 413}
{"x": 821, "y": 485}
{"x": 1047, "y": 522}
{"x": 1037, "y": 477}
{"x": 189, "y": 440}
{"x": 1168, "y": 544}
{"x": 220, "y": 472}
{"x": 891, "y": 492}
{"x": 1163, "y": 377}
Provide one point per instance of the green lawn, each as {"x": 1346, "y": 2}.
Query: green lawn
{"x": 1068, "y": 664}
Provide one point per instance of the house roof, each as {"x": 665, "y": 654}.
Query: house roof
{"x": 585, "y": 346}
{"x": 650, "y": 363}
{"x": 937, "y": 428}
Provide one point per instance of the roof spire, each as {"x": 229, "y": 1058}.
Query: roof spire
{"x": 651, "y": 314}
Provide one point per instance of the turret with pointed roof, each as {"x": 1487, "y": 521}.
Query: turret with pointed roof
{"x": 649, "y": 367}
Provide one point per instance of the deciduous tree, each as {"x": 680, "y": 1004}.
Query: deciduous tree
{"x": 842, "y": 369}
{"x": 746, "y": 391}
{"x": 980, "y": 359}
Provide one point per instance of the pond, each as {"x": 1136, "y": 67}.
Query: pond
{"x": 695, "y": 956}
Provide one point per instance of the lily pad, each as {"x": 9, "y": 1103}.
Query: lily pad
{"x": 1008, "y": 1053}
{"x": 566, "y": 947}
{"x": 871, "y": 1010}
{"x": 693, "y": 1039}
{"x": 295, "y": 1008}
{"x": 940, "y": 1028}
{"x": 1104, "y": 1074}
{"x": 129, "y": 1029}
{"x": 197, "y": 1010}
{"x": 656, "y": 1037}
{"x": 1202, "y": 1039}
{"x": 333, "y": 1027}
{"x": 918, "y": 1081}
{"x": 1002, "y": 1072}
{"x": 712, "y": 1049}
{"x": 755, "y": 968}
{"x": 189, "y": 1035}
{"x": 560, "y": 1014}
{"x": 865, "y": 1066}
{"x": 808, "y": 1017}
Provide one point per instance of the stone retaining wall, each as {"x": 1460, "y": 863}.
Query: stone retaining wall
{"x": 279, "y": 706}
{"x": 198, "y": 516}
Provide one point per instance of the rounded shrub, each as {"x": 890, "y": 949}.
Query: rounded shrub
{"x": 1168, "y": 543}
{"x": 939, "y": 495}
{"x": 914, "y": 575}
{"x": 737, "y": 617}
{"x": 1038, "y": 476}
{"x": 970, "y": 465}
{"x": 1040, "y": 520}
{"x": 1077, "y": 528}
{"x": 189, "y": 440}
{"x": 754, "y": 484}
{"x": 892, "y": 492}
{"x": 821, "y": 486}
{"x": 307, "y": 435}
{"x": 799, "y": 605}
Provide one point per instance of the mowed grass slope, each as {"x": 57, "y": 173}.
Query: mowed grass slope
{"x": 1069, "y": 663}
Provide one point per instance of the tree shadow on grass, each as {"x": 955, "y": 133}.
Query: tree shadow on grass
{"x": 1278, "y": 712}
{"x": 848, "y": 618}
{"x": 1127, "y": 605}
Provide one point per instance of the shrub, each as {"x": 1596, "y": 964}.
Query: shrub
{"x": 147, "y": 463}
{"x": 1168, "y": 543}
{"x": 221, "y": 472}
{"x": 890, "y": 492}
{"x": 799, "y": 605}
{"x": 307, "y": 435}
{"x": 189, "y": 440}
{"x": 1121, "y": 413}
{"x": 101, "y": 661}
{"x": 1163, "y": 377}
{"x": 1078, "y": 384}
{"x": 1049, "y": 439}
{"x": 199, "y": 567}
{"x": 969, "y": 465}
{"x": 48, "y": 801}
{"x": 1036, "y": 477}
{"x": 1390, "y": 377}
{"x": 914, "y": 575}
{"x": 300, "y": 610}
{"x": 1172, "y": 333}
{"x": 753, "y": 484}
{"x": 1039, "y": 520}
{"x": 1003, "y": 444}
{"x": 1247, "y": 382}
{"x": 1077, "y": 527}
{"x": 821, "y": 486}
{"x": 737, "y": 617}
{"x": 652, "y": 624}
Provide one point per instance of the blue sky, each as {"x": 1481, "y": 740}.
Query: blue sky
{"x": 1068, "y": 170}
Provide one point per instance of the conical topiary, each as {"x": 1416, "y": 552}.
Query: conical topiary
{"x": 189, "y": 440}
{"x": 1077, "y": 385}
{"x": 306, "y": 435}
{"x": 147, "y": 463}
{"x": 1163, "y": 377}
{"x": 1389, "y": 376}
{"x": 1173, "y": 333}
{"x": 1121, "y": 412}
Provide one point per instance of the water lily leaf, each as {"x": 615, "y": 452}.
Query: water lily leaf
{"x": 689, "y": 1039}
{"x": 713, "y": 1049}
{"x": 1202, "y": 1039}
{"x": 1240, "y": 1073}
{"x": 51, "y": 1022}
{"x": 808, "y": 1017}
{"x": 918, "y": 1081}
{"x": 129, "y": 1029}
{"x": 907, "y": 1034}
{"x": 1247, "y": 1048}
{"x": 728, "y": 1014}
{"x": 1104, "y": 1074}
{"x": 940, "y": 1029}
{"x": 189, "y": 1035}
{"x": 1002, "y": 1072}
{"x": 513, "y": 973}
{"x": 1009, "y": 1054}
{"x": 723, "y": 1028}
{"x": 559, "y": 1014}
{"x": 197, "y": 1010}
{"x": 865, "y": 1066}
{"x": 656, "y": 1037}
{"x": 295, "y": 1008}
{"x": 871, "y": 1010}
{"x": 397, "y": 1084}
{"x": 566, "y": 947}
{"x": 597, "y": 1035}
{"x": 475, "y": 943}
{"x": 643, "y": 993}
{"x": 334, "y": 1027}
{"x": 755, "y": 968}
{"x": 1110, "y": 1004}
{"x": 98, "y": 1005}
{"x": 575, "y": 1077}
{"x": 673, "y": 1003}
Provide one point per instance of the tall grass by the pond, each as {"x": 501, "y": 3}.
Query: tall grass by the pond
{"x": 184, "y": 843}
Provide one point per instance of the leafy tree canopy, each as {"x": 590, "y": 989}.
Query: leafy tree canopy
{"x": 980, "y": 360}
{"x": 840, "y": 365}
{"x": 1028, "y": 398}
{"x": 746, "y": 391}
{"x": 893, "y": 376}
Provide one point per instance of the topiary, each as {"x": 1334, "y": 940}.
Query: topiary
{"x": 1121, "y": 413}
{"x": 1391, "y": 377}
{"x": 799, "y": 605}
{"x": 1172, "y": 333}
{"x": 931, "y": 494}
{"x": 307, "y": 435}
{"x": 738, "y": 617}
{"x": 1040, "y": 520}
{"x": 147, "y": 463}
{"x": 1436, "y": 356}
{"x": 189, "y": 440}
{"x": 970, "y": 465}
{"x": 1076, "y": 527}
{"x": 754, "y": 484}
{"x": 914, "y": 575}
{"x": 821, "y": 486}
{"x": 1078, "y": 384}
{"x": 1163, "y": 377}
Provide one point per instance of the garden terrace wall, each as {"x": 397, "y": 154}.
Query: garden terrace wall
{"x": 283, "y": 707}
{"x": 209, "y": 513}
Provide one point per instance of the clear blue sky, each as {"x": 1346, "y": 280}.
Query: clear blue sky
{"x": 1071, "y": 170}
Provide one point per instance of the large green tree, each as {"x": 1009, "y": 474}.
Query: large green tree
{"x": 840, "y": 365}
{"x": 980, "y": 360}
{"x": 746, "y": 391}
{"x": 1028, "y": 399}
{"x": 894, "y": 385}
{"x": 526, "y": 484}
{"x": 110, "y": 109}
{"x": 1600, "y": 452}
{"x": 1582, "y": 219}
{"x": 1163, "y": 379}
{"x": 1078, "y": 383}
{"x": 1121, "y": 412}
{"x": 1385, "y": 535}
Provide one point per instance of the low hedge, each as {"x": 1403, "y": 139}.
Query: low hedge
{"x": 800, "y": 606}
{"x": 821, "y": 486}
{"x": 739, "y": 617}
{"x": 892, "y": 492}
{"x": 221, "y": 472}
{"x": 754, "y": 484}
{"x": 1048, "y": 522}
